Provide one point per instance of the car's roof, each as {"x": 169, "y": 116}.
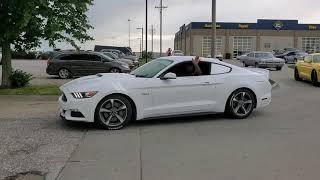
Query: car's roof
{"x": 188, "y": 58}
{"x": 260, "y": 52}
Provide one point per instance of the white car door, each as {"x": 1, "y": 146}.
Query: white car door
{"x": 184, "y": 95}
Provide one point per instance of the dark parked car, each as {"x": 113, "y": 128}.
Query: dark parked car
{"x": 71, "y": 64}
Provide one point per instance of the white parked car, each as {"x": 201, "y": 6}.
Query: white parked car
{"x": 163, "y": 88}
{"x": 177, "y": 53}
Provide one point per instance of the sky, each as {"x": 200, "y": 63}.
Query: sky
{"x": 110, "y": 17}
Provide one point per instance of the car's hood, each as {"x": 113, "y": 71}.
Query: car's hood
{"x": 97, "y": 82}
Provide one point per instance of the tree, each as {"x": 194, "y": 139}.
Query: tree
{"x": 25, "y": 23}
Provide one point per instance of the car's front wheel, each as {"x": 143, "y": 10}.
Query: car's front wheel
{"x": 115, "y": 70}
{"x": 114, "y": 112}
{"x": 296, "y": 75}
{"x": 64, "y": 73}
{"x": 240, "y": 104}
{"x": 314, "y": 78}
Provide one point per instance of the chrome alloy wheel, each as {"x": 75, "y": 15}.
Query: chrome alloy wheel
{"x": 113, "y": 112}
{"x": 242, "y": 104}
{"x": 64, "y": 73}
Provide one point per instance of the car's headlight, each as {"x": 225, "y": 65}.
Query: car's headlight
{"x": 125, "y": 65}
{"x": 84, "y": 95}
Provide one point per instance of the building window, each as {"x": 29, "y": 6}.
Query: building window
{"x": 206, "y": 45}
{"x": 311, "y": 45}
{"x": 267, "y": 45}
{"x": 241, "y": 45}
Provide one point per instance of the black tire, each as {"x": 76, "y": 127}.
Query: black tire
{"x": 314, "y": 79}
{"x": 115, "y": 70}
{"x": 278, "y": 68}
{"x": 231, "y": 106}
{"x": 244, "y": 64}
{"x": 114, "y": 119}
{"x": 296, "y": 75}
{"x": 64, "y": 73}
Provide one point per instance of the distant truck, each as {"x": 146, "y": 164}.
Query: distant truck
{"x": 125, "y": 50}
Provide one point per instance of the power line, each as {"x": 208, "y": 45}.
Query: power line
{"x": 161, "y": 7}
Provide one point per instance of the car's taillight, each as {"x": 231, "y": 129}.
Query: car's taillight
{"x": 49, "y": 62}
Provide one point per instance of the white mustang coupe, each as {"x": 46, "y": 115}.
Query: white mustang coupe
{"x": 164, "y": 88}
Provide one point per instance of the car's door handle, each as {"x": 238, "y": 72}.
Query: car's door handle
{"x": 207, "y": 83}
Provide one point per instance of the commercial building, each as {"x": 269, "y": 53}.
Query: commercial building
{"x": 234, "y": 39}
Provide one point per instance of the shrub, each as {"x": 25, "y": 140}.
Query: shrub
{"x": 20, "y": 78}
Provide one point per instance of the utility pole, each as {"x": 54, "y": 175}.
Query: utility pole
{"x": 161, "y": 7}
{"x": 140, "y": 46}
{"x": 214, "y": 29}
{"x": 141, "y": 28}
{"x": 129, "y": 20}
{"x": 153, "y": 30}
{"x": 146, "y": 31}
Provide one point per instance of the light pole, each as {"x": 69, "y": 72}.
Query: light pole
{"x": 152, "y": 33}
{"x": 146, "y": 31}
{"x": 141, "y": 28}
{"x": 129, "y": 20}
{"x": 214, "y": 29}
{"x": 140, "y": 46}
{"x": 161, "y": 7}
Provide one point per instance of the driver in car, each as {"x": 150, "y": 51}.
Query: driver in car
{"x": 194, "y": 69}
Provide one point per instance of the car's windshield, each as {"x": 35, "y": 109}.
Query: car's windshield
{"x": 264, "y": 55}
{"x": 316, "y": 59}
{"x": 152, "y": 68}
{"x": 110, "y": 55}
{"x": 107, "y": 57}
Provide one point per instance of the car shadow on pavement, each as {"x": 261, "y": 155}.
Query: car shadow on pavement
{"x": 179, "y": 120}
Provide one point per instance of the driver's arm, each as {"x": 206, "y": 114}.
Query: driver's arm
{"x": 197, "y": 69}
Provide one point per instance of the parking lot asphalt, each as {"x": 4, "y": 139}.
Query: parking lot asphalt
{"x": 38, "y": 69}
{"x": 277, "y": 142}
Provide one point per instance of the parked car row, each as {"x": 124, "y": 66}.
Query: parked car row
{"x": 71, "y": 64}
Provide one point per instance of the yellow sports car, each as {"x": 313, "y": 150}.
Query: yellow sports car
{"x": 308, "y": 69}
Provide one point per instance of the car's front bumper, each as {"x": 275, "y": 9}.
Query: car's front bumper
{"x": 77, "y": 109}
{"x": 270, "y": 65}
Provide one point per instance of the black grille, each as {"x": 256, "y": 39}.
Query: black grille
{"x": 64, "y": 98}
{"x": 76, "y": 114}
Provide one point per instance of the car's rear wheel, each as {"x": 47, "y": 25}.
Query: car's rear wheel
{"x": 296, "y": 75}
{"x": 114, "y": 112}
{"x": 240, "y": 104}
{"x": 115, "y": 70}
{"x": 314, "y": 78}
{"x": 64, "y": 73}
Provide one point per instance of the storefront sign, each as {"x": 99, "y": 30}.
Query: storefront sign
{"x": 313, "y": 27}
{"x": 210, "y": 25}
{"x": 243, "y": 26}
{"x": 278, "y": 25}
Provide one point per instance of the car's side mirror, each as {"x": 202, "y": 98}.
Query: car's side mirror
{"x": 169, "y": 76}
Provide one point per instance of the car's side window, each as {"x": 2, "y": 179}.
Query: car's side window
{"x": 186, "y": 69}
{"x": 251, "y": 55}
{"x": 96, "y": 58}
{"x": 219, "y": 69}
{"x": 308, "y": 58}
{"x": 80, "y": 57}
